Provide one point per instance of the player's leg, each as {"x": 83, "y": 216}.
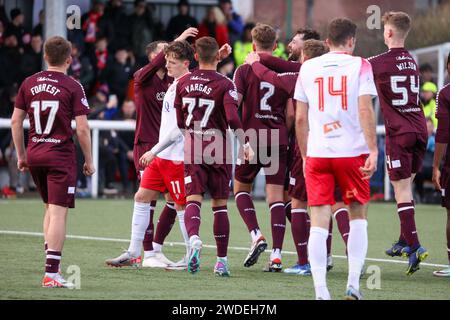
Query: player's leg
{"x": 192, "y": 220}
{"x": 320, "y": 187}
{"x": 356, "y": 248}
{"x": 45, "y": 227}
{"x": 275, "y": 197}
{"x": 329, "y": 243}
{"x": 341, "y": 214}
{"x": 60, "y": 192}
{"x": 300, "y": 225}
{"x": 152, "y": 184}
{"x": 356, "y": 194}
{"x": 221, "y": 231}
{"x": 445, "y": 273}
{"x": 445, "y": 181}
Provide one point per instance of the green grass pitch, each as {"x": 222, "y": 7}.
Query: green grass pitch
{"x": 23, "y": 258}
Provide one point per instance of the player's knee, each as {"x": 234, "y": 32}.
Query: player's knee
{"x": 241, "y": 187}
{"x": 142, "y": 196}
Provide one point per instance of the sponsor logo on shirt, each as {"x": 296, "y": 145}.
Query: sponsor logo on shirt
{"x": 42, "y": 79}
{"x": 199, "y": 78}
{"x": 329, "y": 127}
{"x": 45, "y": 140}
{"x": 266, "y": 116}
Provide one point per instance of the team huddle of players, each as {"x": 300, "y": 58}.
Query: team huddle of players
{"x": 308, "y": 123}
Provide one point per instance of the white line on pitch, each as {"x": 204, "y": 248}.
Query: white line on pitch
{"x": 38, "y": 234}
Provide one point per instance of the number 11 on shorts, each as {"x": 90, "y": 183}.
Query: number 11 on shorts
{"x": 176, "y": 187}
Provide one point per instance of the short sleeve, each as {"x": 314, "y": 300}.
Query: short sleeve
{"x": 300, "y": 94}
{"x": 442, "y": 106}
{"x": 79, "y": 100}
{"x": 366, "y": 80}
{"x": 20, "y": 99}
{"x": 239, "y": 80}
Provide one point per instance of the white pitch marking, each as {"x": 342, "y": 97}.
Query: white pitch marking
{"x": 38, "y": 234}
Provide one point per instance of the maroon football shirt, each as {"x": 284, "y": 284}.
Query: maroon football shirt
{"x": 443, "y": 115}
{"x": 52, "y": 100}
{"x": 149, "y": 92}
{"x": 206, "y": 104}
{"x": 396, "y": 75}
{"x": 279, "y": 65}
{"x": 283, "y": 81}
{"x": 264, "y": 105}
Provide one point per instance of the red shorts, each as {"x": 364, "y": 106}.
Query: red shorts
{"x": 56, "y": 185}
{"x": 297, "y": 183}
{"x": 166, "y": 176}
{"x": 445, "y": 185}
{"x": 404, "y": 155}
{"x": 323, "y": 174}
{"x": 138, "y": 151}
{"x": 275, "y": 172}
{"x": 200, "y": 178}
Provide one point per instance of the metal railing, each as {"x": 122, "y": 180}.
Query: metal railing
{"x": 102, "y": 125}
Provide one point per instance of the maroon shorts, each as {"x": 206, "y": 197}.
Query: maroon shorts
{"x": 324, "y": 174}
{"x": 445, "y": 185}
{"x": 297, "y": 183}
{"x": 56, "y": 185}
{"x": 275, "y": 172}
{"x": 404, "y": 155}
{"x": 138, "y": 151}
{"x": 216, "y": 179}
{"x": 290, "y": 159}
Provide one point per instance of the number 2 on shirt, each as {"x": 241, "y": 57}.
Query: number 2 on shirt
{"x": 342, "y": 92}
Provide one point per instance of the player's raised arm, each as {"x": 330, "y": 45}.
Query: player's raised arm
{"x": 442, "y": 136}
{"x": 279, "y": 65}
{"x": 155, "y": 51}
{"x": 188, "y": 33}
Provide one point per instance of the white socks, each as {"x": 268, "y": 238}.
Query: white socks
{"x": 183, "y": 229}
{"x": 317, "y": 252}
{"x": 256, "y": 234}
{"x": 357, "y": 251}
{"x": 141, "y": 218}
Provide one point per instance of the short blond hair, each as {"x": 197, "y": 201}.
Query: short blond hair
{"x": 314, "y": 48}
{"x": 264, "y": 36}
{"x": 401, "y": 21}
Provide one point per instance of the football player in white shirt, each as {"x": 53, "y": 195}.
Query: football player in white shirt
{"x": 336, "y": 130}
{"x": 164, "y": 165}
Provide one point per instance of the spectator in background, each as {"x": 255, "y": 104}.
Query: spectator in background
{"x": 142, "y": 29}
{"x": 16, "y": 27}
{"x": 10, "y": 61}
{"x": 426, "y": 73}
{"x": 180, "y": 22}
{"x": 244, "y": 46}
{"x": 3, "y": 15}
{"x": 214, "y": 25}
{"x": 234, "y": 21}
{"x": 39, "y": 28}
{"x": 227, "y": 67}
{"x": 100, "y": 58}
{"x": 427, "y": 167}
{"x": 124, "y": 141}
{"x": 428, "y": 99}
{"x": 119, "y": 73}
{"x": 32, "y": 58}
{"x": 116, "y": 21}
{"x": 2, "y": 32}
{"x": 81, "y": 69}
{"x": 7, "y": 151}
{"x": 92, "y": 24}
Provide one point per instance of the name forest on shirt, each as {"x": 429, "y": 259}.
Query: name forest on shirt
{"x": 210, "y": 146}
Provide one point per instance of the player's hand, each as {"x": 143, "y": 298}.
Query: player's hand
{"x": 437, "y": 179}
{"x": 252, "y": 57}
{"x": 249, "y": 154}
{"x": 146, "y": 159}
{"x": 22, "y": 165}
{"x": 370, "y": 166}
{"x": 190, "y": 32}
{"x": 88, "y": 169}
{"x": 225, "y": 51}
